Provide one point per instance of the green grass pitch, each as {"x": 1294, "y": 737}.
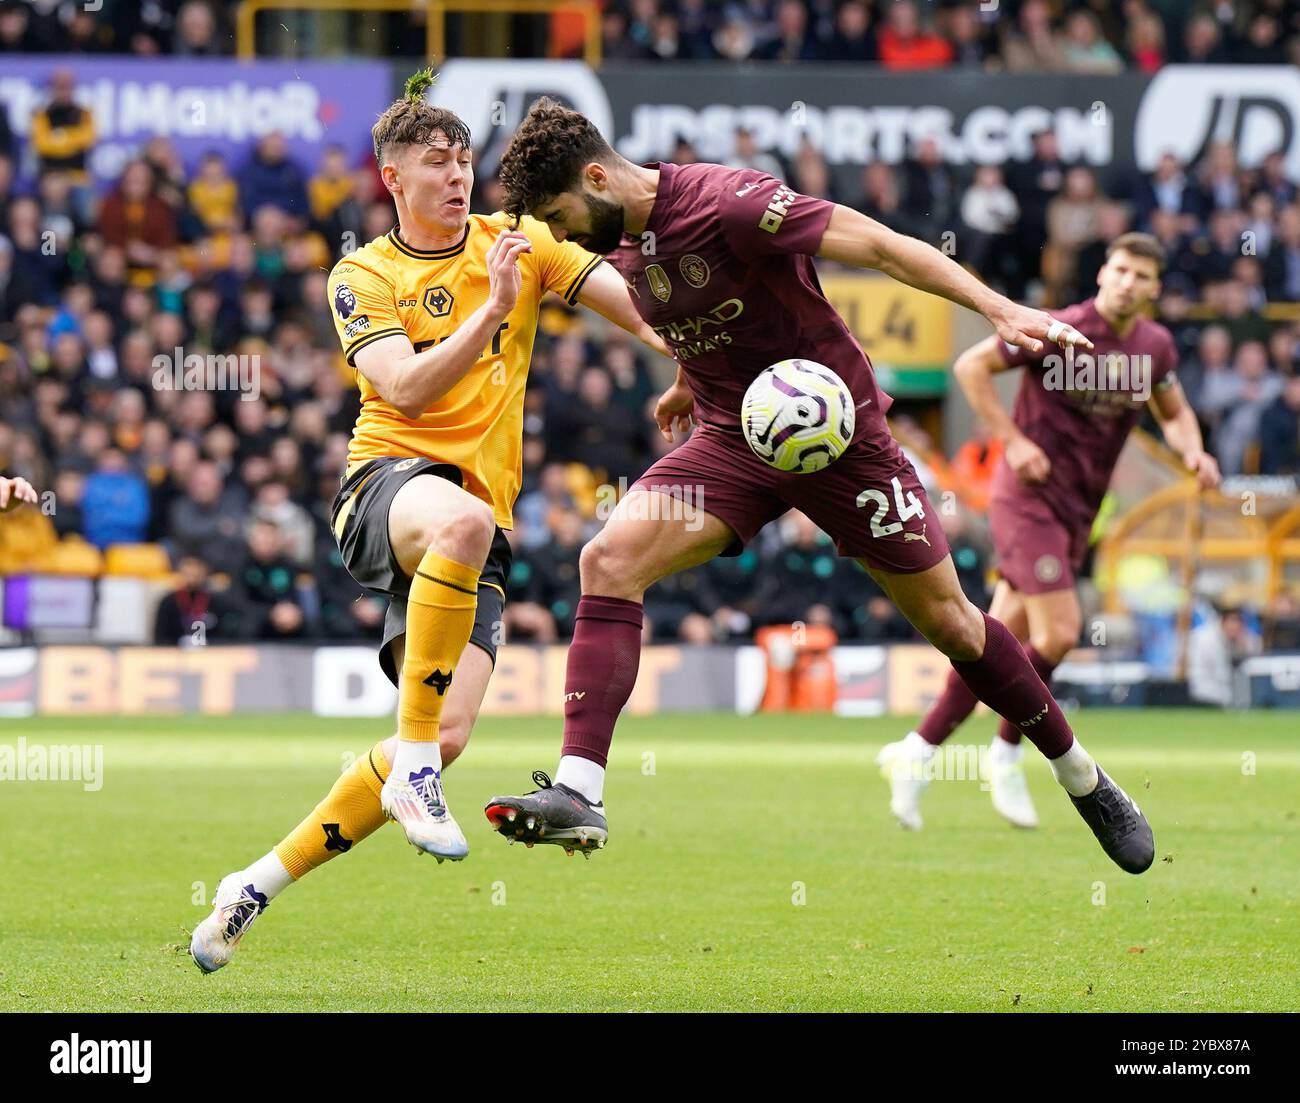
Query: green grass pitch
{"x": 752, "y": 865}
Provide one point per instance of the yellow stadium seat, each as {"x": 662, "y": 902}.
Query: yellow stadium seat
{"x": 73, "y": 556}
{"x": 137, "y": 560}
{"x": 27, "y": 538}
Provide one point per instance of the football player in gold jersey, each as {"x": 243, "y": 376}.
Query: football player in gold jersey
{"x": 438, "y": 318}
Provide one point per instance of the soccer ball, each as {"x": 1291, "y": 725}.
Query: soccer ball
{"x": 797, "y": 416}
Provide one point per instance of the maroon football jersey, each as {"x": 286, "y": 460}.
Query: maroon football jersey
{"x": 1080, "y": 407}
{"x": 724, "y": 274}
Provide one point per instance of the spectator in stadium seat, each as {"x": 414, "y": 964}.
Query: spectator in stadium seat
{"x": 115, "y": 503}
{"x": 1112, "y": 221}
{"x": 1145, "y": 42}
{"x": 195, "y": 612}
{"x": 791, "y": 39}
{"x": 206, "y": 520}
{"x": 930, "y": 190}
{"x": 136, "y": 220}
{"x": 1235, "y": 401}
{"x": 989, "y": 213}
{"x": 809, "y": 173}
{"x": 1284, "y": 350}
{"x": 272, "y": 505}
{"x": 734, "y": 38}
{"x": 1203, "y": 42}
{"x": 1262, "y": 44}
{"x": 1273, "y": 179}
{"x": 963, "y": 30}
{"x": 332, "y": 186}
{"x": 1211, "y": 361}
{"x": 1221, "y": 179}
{"x": 63, "y": 133}
{"x": 69, "y": 489}
{"x": 214, "y": 196}
{"x": 853, "y": 39}
{"x": 1072, "y": 220}
{"x": 1031, "y": 45}
{"x": 882, "y": 198}
{"x": 196, "y": 31}
{"x": 747, "y": 155}
{"x": 905, "y": 45}
{"x": 266, "y": 586}
{"x": 1279, "y": 432}
{"x": 553, "y": 584}
{"x": 1282, "y": 268}
{"x": 38, "y": 271}
{"x": 1086, "y": 49}
{"x": 1283, "y": 623}
{"x": 533, "y": 510}
{"x": 1170, "y": 189}
{"x": 271, "y": 178}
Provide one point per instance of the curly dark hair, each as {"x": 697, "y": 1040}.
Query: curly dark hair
{"x": 546, "y": 155}
{"x": 413, "y": 121}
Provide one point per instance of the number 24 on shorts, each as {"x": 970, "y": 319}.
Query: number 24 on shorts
{"x": 907, "y": 503}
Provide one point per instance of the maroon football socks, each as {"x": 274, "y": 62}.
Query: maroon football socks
{"x": 1005, "y": 680}
{"x": 601, "y": 673}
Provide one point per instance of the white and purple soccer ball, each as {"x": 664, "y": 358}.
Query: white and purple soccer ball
{"x": 798, "y": 416}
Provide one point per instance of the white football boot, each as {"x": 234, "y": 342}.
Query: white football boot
{"x": 234, "y": 907}
{"x": 416, "y": 803}
{"x": 903, "y": 765}
{"x": 1011, "y": 798}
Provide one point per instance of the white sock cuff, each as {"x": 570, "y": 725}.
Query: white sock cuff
{"x": 579, "y": 773}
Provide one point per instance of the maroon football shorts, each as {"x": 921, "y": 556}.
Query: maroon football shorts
{"x": 869, "y": 501}
{"x": 1037, "y": 552}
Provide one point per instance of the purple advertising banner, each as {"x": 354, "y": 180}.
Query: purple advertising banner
{"x": 202, "y": 105}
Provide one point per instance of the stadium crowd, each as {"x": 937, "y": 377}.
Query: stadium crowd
{"x": 235, "y": 483}
{"x": 1078, "y": 36}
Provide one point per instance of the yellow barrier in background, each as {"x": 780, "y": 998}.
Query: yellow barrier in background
{"x": 436, "y": 22}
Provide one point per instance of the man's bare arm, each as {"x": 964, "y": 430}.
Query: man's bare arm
{"x": 605, "y": 291}
{"x": 854, "y": 239}
{"x": 1182, "y": 432}
{"x": 974, "y": 371}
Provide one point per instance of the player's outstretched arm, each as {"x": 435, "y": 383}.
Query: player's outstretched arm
{"x": 854, "y": 239}
{"x": 14, "y": 492}
{"x": 605, "y": 292}
{"x": 1182, "y": 433}
{"x": 411, "y": 381}
{"x": 974, "y": 371}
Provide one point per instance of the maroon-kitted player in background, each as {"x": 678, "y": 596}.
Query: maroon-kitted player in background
{"x": 1072, "y": 415}
{"x": 720, "y": 263}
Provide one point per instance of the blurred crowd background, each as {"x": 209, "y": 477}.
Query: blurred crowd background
{"x": 232, "y": 259}
{"x": 1080, "y": 36}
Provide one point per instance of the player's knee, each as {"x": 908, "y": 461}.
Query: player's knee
{"x": 464, "y": 534}
{"x": 1056, "y": 640}
{"x": 602, "y": 563}
{"x": 956, "y": 628}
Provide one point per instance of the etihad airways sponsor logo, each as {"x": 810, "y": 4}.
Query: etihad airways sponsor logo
{"x": 686, "y": 329}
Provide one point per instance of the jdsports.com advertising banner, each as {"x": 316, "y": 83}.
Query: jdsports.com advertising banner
{"x": 1117, "y": 125}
